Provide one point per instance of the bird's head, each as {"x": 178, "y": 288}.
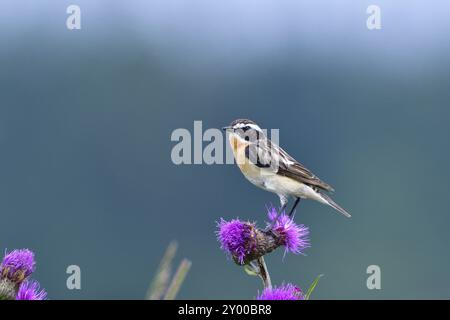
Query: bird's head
{"x": 244, "y": 129}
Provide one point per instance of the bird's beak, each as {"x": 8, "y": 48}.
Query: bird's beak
{"x": 227, "y": 128}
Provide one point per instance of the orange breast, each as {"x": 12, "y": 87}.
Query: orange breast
{"x": 238, "y": 146}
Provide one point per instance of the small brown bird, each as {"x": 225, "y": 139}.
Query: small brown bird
{"x": 271, "y": 168}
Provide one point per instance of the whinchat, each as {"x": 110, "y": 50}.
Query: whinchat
{"x": 271, "y": 168}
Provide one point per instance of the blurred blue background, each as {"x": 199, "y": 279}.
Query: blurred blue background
{"x": 86, "y": 116}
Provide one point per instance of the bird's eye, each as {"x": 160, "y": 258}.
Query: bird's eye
{"x": 245, "y": 128}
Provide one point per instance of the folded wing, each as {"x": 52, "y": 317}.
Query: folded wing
{"x": 265, "y": 154}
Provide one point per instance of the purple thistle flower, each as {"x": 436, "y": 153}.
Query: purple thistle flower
{"x": 236, "y": 238}
{"x": 284, "y": 292}
{"x": 17, "y": 265}
{"x": 293, "y": 237}
{"x": 30, "y": 290}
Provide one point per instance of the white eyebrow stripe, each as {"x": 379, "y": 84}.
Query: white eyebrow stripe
{"x": 254, "y": 126}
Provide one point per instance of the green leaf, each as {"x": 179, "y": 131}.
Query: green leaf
{"x": 312, "y": 286}
{"x": 250, "y": 270}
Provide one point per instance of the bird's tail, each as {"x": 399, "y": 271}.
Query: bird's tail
{"x": 334, "y": 205}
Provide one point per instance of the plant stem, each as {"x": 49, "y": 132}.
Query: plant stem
{"x": 161, "y": 279}
{"x": 178, "y": 279}
{"x": 264, "y": 273}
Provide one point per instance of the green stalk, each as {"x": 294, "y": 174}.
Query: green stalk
{"x": 178, "y": 279}
{"x": 162, "y": 276}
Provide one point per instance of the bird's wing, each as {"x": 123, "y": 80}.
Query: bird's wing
{"x": 260, "y": 154}
{"x": 265, "y": 154}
